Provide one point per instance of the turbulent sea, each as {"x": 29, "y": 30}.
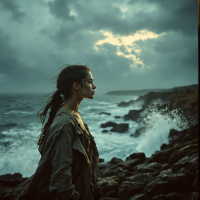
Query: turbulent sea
{"x": 19, "y": 129}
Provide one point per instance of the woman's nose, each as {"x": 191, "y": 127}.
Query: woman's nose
{"x": 94, "y": 86}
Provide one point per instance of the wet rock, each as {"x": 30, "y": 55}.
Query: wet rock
{"x": 194, "y": 196}
{"x": 122, "y": 175}
{"x": 126, "y": 104}
{"x": 11, "y": 180}
{"x": 138, "y": 132}
{"x": 146, "y": 168}
{"x": 183, "y": 136}
{"x": 110, "y": 198}
{"x": 120, "y": 128}
{"x": 117, "y": 117}
{"x": 141, "y": 178}
{"x": 189, "y": 163}
{"x": 101, "y": 160}
{"x": 185, "y": 151}
{"x": 129, "y": 164}
{"x": 109, "y": 186}
{"x": 174, "y": 195}
{"x": 115, "y": 160}
{"x": 139, "y": 155}
{"x": 159, "y": 197}
{"x": 164, "y": 146}
{"x": 169, "y": 182}
{"x": 105, "y": 113}
{"x": 139, "y": 197}
{"x": 133, "y": 115}
{"x": 128, "y": 189}
{"x": 110, "y": 171}
{"x": 161, "y": 156}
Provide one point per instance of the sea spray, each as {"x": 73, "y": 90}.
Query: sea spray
{"x": 158, "y": 120}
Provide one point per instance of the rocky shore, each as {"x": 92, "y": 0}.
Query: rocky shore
{"x": 169, "y": 174}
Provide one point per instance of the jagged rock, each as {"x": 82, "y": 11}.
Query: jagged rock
{"x": 138, "y": 132}
{"x": 109, "y": 186}
{"x": 106, "y": 172}
{"x": 115, "y": 160}
{"x": 101, "y": 160}
{"x": 133, "y": 115}
{"x": 139, "y": 197}
{"x": 141, "y": 178}
{"x": 159, "y": 197}
{"x": 105, "y": 131}
{"x": 110, "y": 198}
{"x": 117, "y": 117}
{"x": 161, "y": 156}
{"x": 146, "y": 168}
{"x": 169, "y": 182}
{"x": 174, "y": 195}
{"x": 139, "y": 155}
{"x": 183, "y": 136}
{"x": 164, "y": 146}
{"x": 126, "y": 104}
{"x": 129, "y": 164}
{"x": 105, "y": 113}
{"x": 120, "y": 128}
{"x": 122, "y": 175}
{"x": 185, "y": 151}
{"x": 127, "y": 189}
{"x": 189, "y": 163}
{"x": 194, "y": 196}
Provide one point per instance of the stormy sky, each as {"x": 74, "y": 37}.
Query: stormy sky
{"x": 129, "y": 44}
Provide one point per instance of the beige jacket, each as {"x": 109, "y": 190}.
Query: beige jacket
{"x": 64, "y": 170}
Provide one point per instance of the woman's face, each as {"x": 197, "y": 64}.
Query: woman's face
{"x": 88, "y": 89}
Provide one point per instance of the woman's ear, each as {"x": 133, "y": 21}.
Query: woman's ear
{"x": 76, "y": 86}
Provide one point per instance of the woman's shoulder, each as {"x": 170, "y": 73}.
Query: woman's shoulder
{"x": 63, "y": 118}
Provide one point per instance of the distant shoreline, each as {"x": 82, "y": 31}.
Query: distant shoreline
{"x": 193, "y": 87}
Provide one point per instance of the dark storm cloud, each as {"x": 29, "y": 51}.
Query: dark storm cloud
{"x": 59, "y": 32}
{"x": 13, "y": 8}
{"x": 60, "y": 9}
{"x": 179, "y": 15}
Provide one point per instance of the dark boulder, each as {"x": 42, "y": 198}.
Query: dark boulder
{"x": 109, "y": 186}
{"x": 185, "y": 151}
{"x": 139, "y": 155}
{"x": 146, "y": 168}
{"x": 139, "y": 197}
{"x": 138, "y": 132}
{"x": 189, "y": 163}
{"x": 128, "y": 189}
{"x": 167, "y": 182}
{"x": 133, "y": 115}
{"x": 105, "y": 113}
{"x": 120, "y": 128}
{"x": 101, "y": 160}
{"x": 117, "y": 117}
{"x": 142, "y": 178}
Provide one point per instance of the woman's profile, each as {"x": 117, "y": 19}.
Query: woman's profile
{"x": 68, "y": 168}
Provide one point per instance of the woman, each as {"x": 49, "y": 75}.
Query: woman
{"x": 68, "y": 168}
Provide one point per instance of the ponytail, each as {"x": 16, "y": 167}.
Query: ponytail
{"x": 53, "y": 104}
{"x": 68, "y": 75}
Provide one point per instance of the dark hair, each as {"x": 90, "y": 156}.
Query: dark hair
{"x": 64, "y": 82}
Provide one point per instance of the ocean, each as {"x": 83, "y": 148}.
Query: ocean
{"x": 19, "y": 127}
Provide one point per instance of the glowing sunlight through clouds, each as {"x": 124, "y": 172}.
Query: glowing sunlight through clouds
{"x": 132, "y": 50}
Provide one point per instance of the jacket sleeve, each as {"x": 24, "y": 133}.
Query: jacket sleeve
{"x": 61, "y": 185}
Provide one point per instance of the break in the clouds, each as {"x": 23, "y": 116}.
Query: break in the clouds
{"x": 130, "y": 44}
